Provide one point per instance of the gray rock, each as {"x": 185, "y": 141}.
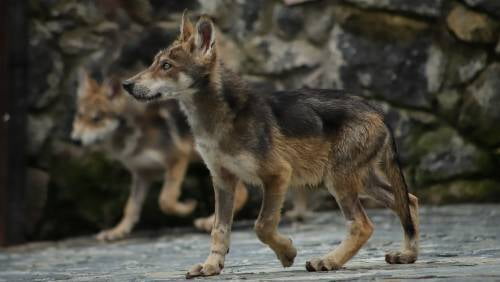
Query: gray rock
{"x": 46, "y": 77}
{"x": 471, "y": 26}
{"x": 289, "y": 20}
{"x": 479, "y": 115}
{"x": 271, "y": 55}
{"x": 39, "y": 129}
{"x": 430, "y": 8}
{"x": 318, "y": 25}
{"x": 328, "y": 74}
{"x": 448, "y": 103}
{"x": 463, "y": 63}
{"x": 407, "y": 127}
{"x": 458, "y": 191}
{"x": 445, "y": 155}
{"x": 85, "y": 12}
{"x": 393, "y": 70}
{"x": 80, "y": 40}
{"x": 488, "y": 6}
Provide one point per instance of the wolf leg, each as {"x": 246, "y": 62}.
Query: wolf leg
{"x": 240, "y": 198}
{"x": 266, "y": 225}
{"x": 345, "y": 188}
{"x": 172, "y": 184}
{"x": 224, "y": 188}
{"x": 300, "y": 211}
{"x": 131, "y": 213}
{"x": 382, "y": 193}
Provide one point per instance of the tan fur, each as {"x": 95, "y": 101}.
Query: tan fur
{"x": 242, "y": 136}
{"x": 140, "y": 150}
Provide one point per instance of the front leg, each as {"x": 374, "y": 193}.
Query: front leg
{"x": 224, "y": 187}
{"x": 266, "y": 226}
{"x": 131, "y": 213}
{"x": 240, "y": 198}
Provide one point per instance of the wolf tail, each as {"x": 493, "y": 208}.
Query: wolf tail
{"x": 400, "y": 188}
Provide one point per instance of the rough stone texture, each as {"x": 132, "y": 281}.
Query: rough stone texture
{"x": 431, "y": 8}
{"x": 471, "y": 26}
{"x": 444, "y": 155}
{"x": 398, "y": 52}
{"x": 487, "y": 6}
{"x": 459, "y": 243}
{"x": 274, "y": 56}
{"x": 480, "y": 115}
{"x": 400, "y": 77}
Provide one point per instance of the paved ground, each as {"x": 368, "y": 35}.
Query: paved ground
{"x": 459, "y": 243}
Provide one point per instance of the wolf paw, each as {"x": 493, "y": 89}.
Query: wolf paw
{"x": 400, "y": 257}
{"x": 298, "y": 215}
{"x": 287, "y": 256}
{"x": 204, "y": 270}
{"x": 112, "y": 234}
{"x": 205, "y": 223}
{"x": 319, "y": 264}
{"x": 178, "y": 208}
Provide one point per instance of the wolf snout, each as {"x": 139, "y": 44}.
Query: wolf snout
{"x": 128, "y": 86}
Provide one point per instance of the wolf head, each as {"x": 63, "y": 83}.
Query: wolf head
{"x": 181, "y": 69}
{"x": 98, "y": 108}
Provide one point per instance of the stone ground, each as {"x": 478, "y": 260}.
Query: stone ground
{"x": 459, "y": 243}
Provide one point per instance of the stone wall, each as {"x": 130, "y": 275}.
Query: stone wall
{"x": 434, "y": 65}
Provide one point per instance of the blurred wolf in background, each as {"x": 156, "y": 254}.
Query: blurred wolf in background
{"x": 152, "y": 141}
{"x": 276, "y": 140}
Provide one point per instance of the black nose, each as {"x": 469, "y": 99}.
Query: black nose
{"x": 128, "y": 85}
{"x": 76, "y": 142}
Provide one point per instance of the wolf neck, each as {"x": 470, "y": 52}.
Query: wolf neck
{"x": 212, "y": 110}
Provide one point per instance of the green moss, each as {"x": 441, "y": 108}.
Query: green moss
{"x": 461, "y": 191}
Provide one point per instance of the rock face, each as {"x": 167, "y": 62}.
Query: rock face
{"x": 480, "y": 115}
{"x": 431, "y": 8}
{"x": 472, "y": 26}
{"x": 433, "y": 65}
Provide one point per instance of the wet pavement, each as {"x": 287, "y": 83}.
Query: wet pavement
{"x": 458, "y": 243}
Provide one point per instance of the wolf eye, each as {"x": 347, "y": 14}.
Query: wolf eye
{"x": 166, "y": 66}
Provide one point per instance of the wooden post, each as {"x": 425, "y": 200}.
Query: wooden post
{"x": 3, "y": 124}
{"x": 13, "y": 109}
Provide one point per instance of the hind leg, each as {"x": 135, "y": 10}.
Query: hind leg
{"x": 300, "y": 211}
{"x": 132, "y": 212}
{"x": 345, "y": 189}
{"x": 383, "y": 194}
{"x": 266, "y": 226}
{"x": 172, "y": 184}
{"x": 240, "y": 198}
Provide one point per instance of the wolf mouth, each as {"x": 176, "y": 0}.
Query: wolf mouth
{"x": 147, "y": 98}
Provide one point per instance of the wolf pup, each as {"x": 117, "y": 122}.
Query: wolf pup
{"x": 152, "y": 141}
{"x": 276, "y": 140}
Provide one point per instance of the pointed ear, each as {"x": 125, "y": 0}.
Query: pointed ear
{"x": 84, "y": 83}
{"x": 114, "y": 86}
{"x": 186, "y": 27}
{"x": 204, "y": 38}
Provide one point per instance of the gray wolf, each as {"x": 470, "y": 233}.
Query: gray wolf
{"x": 153, "y": 142}
{"x": 276, "y": 140}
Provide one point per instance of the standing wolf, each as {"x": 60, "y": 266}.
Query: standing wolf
{"x": 276, "y": 140}
{"x": 152, "y": 141}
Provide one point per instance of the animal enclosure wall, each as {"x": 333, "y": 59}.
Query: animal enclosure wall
{"x": 433, "y": 65}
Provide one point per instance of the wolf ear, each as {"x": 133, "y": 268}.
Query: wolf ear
{"x": 186, "y": 27}
{"x": 84, "y": 83}
{"x": 204, "y": 38}
{"x": 114, "y": 87}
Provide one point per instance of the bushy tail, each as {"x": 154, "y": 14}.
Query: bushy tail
{"x": 400, "y": 189}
